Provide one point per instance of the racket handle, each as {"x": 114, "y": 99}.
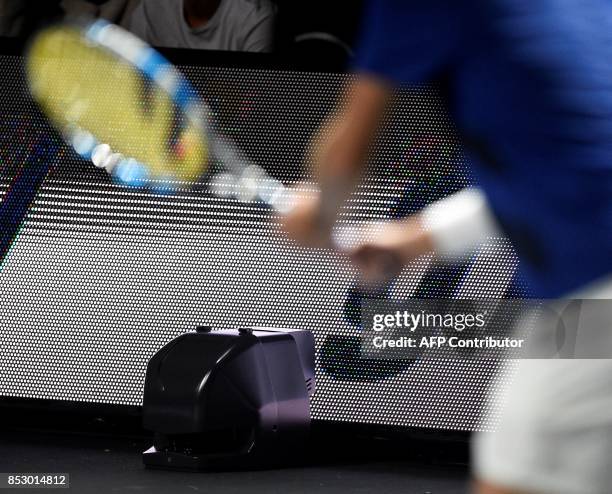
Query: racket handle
{"x": 22, "y": 191}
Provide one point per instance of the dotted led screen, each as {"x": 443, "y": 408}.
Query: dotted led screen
{"x": 101, "y": 276}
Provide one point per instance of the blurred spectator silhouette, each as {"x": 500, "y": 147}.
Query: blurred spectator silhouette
{"x": 231, "y": 25}
{"x": 296, "y": 30}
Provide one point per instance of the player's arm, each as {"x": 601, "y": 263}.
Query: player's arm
{"x": 400, "y": 43}
{"x": 339, "y": 152}
{"x": 451, "y": 228}
{"x": 337, "y": 158}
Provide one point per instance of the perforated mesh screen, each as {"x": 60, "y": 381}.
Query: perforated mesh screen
{"x": 102, "y": 276}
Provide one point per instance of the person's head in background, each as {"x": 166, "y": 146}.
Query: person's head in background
{"x": 229, "y": 25}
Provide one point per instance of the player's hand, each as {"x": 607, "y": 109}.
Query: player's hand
{"x": 305, "y": 222}
{"x": 390, "y": 247}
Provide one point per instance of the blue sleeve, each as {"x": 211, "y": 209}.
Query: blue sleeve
{"x": 408, "y": 41}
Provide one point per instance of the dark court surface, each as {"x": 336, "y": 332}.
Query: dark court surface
{"x": 102, "y": 463}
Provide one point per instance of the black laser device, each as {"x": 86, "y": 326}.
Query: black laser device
{"x": 229, "y": 398}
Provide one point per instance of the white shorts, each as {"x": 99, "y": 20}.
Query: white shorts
{"x": 555, "y": 431}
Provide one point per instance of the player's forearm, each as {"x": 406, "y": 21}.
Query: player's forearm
{"x": 340, "y": 152}
{"x": 362, "y": 108}
{"x": 459, "y": 223}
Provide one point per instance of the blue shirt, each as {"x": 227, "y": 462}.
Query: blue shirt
{"x": 529, "y": 84}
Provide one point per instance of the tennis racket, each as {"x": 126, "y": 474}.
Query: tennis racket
{"x": 124, "y": 107}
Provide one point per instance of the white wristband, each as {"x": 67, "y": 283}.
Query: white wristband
{"x": 460, "y": 222}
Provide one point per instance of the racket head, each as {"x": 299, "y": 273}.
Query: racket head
{"x": 120, "y": 103}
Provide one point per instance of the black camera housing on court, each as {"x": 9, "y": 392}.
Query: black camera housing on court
{"x": 229, "y": 398}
